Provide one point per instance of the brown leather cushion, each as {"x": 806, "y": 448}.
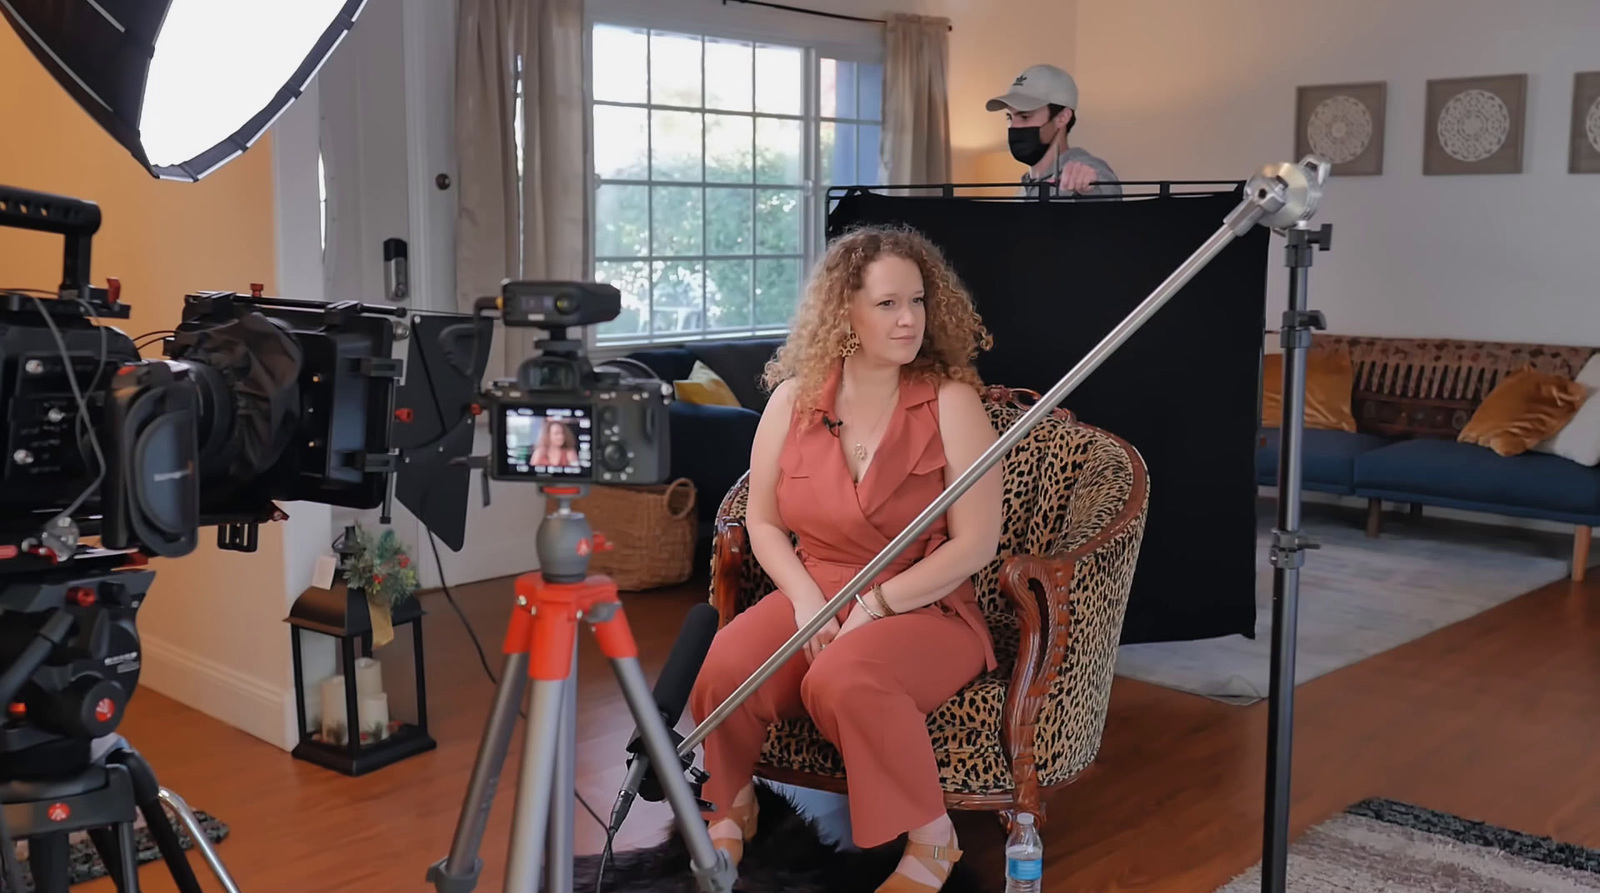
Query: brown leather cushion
{"x": 1525, "y": 408}
{"x": 1329, "y": 380}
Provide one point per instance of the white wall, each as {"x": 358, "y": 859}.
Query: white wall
{"x": 1203, "y": 90}
{"x": 214, "y": 636}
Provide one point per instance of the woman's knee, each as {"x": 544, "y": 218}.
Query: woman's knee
{"x": 834, "y": 686}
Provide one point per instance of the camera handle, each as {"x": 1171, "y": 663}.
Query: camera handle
{"x": 541, "y": 645}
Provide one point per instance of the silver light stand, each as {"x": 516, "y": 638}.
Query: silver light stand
{"x": 1282, "y": 197}
{"x": 541, "y": 644}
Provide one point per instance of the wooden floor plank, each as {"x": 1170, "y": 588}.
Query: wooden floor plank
{"x": 1493, "y": 718}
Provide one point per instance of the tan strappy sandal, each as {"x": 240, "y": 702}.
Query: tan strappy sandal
{"x": 745, "y": 817}
{"x": 930, "y": 856}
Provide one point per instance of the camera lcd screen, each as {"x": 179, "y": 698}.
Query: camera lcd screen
{"x": 548, "y": 441}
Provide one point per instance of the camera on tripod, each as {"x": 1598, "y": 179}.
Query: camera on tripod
{"x": 561, "y": 420}
{"x": 256, "y": 400}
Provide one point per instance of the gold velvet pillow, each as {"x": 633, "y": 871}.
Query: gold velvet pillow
{"x": 705, "y": 387}
{"x": 1525, "y": 408}
{"x": 1329, "y": 381}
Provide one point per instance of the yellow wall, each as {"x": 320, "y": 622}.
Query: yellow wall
{"x": 212, "y": 612}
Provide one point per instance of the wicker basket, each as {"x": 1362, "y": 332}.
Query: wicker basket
{"x": 651, "y": 531}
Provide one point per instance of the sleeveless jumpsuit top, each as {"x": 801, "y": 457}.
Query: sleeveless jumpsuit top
{"x": 840, "y": 524}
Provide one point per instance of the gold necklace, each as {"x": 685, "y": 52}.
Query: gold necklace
{"x": 859, "y": 450}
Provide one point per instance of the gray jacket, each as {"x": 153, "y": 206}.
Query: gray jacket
{"x": 1103, "y": 175}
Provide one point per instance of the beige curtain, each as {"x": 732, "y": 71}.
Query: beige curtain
{"x": 532, "y": 224}
{"x": 916, "y": 100}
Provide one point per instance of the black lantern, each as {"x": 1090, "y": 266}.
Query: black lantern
{"x": 342, "y": 613}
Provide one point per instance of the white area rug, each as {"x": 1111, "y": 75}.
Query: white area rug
{"x": 1358, "y": 597}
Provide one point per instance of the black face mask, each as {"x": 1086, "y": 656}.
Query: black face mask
{"x": 1026, "y": 145}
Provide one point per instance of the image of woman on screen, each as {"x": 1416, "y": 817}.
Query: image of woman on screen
{"x": 557, "y": 446}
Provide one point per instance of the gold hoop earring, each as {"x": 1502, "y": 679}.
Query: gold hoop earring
{"x": 852, "y": 343}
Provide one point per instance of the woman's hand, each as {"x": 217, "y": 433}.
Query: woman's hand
{"x": 806, "y": 608}
{"x": 857, "y": 619}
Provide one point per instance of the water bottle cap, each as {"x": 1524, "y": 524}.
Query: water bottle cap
{"x": 1024, "y": 818}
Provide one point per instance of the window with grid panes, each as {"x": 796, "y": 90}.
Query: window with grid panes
{"x": 711, "y": 161}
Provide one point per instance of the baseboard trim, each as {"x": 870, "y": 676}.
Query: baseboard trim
{"x": 219, "y": 691}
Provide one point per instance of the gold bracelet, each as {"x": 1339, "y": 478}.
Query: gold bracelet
{"x": 874, "y": 614}
{"x": 877, "y": 590}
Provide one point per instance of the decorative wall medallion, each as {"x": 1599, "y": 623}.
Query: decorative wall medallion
{"x": 1474, "y": 125}
{"x": 1342, "y": 123}
{"x": 1585, "y": 152}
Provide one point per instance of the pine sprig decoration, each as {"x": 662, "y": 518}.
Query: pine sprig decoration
{"x": 380, "y": 567}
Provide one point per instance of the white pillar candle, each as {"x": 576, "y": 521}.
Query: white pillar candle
{"x": 333, "y": 718}
{"x": 369, "y": 677}
{"x": 374, "y": 713}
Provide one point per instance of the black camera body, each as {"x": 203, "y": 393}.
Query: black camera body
{"x": 563, "y": 421}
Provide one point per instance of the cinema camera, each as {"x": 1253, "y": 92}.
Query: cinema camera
{"x": 257, "y": 400}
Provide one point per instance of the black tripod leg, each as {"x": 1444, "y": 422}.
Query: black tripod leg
{"x": 47, "y": 859}
{"x": 109, "y": 846}
{"x": 147, "y": 795}
{"x": 126, "y": 871}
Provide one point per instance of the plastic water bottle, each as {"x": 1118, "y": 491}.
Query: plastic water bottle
{"x": 1024, "y": 856}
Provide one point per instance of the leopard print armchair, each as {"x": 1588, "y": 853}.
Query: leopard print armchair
{"x": 1054, "y": 598}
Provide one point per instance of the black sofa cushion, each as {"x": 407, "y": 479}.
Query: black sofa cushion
{"x": 740, "y": 364}
{"x": 669, "y": 364}
{"x": 1328, "y": 458}
{"x": 1471, "y": 476}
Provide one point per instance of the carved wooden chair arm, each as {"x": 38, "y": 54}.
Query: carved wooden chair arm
{"x": 728, "y": 548}
{"x": 1042, "y": 589}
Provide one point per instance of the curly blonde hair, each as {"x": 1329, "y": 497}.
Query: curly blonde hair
{"x": 951, "y": 340}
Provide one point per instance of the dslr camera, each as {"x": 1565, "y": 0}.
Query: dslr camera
{"x": 561, "y": 421}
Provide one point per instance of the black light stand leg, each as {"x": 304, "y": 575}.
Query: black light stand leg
{"x": 1288, "y": 545}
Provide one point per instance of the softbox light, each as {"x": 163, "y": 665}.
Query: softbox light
{"x": 184, "y": 85}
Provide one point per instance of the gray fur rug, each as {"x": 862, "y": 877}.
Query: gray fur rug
{"x": 787, "y": 855}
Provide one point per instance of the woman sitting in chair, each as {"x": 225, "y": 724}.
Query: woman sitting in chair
{"x": 875, "y": 411}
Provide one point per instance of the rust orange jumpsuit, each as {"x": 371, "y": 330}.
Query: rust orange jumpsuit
{"x": 869, "y": 693}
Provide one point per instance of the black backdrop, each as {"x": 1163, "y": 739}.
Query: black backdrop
{"x": 1051, "y": 280}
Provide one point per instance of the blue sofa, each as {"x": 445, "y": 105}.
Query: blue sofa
{"x": 711, "y": 444}
{"x": 1410, "y": 398}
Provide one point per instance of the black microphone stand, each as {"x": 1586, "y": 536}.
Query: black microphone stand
{"x": 1282, "y": 197}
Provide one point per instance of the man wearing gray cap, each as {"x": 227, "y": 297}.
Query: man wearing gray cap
{"x": 1042, "y": 108}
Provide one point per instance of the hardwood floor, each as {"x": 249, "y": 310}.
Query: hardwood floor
{"x": 1494, "y": 718}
